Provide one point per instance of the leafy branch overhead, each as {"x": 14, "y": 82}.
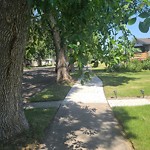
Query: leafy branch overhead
{"x": 145, "y": 24}
{"x": 143, "y": 11}
{"x": 93, "y": 24}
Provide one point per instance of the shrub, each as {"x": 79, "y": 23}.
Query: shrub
{"x": 131, "y": 66}
{"x": 146, "y": 64}
{"x": 134, "y": 66}
{"x": 119, "y": 68}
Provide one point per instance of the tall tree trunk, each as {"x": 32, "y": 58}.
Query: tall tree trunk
{"x": 39, "y": 61}
{"x": 56, "y": 41}
{"x": 62, "y": 68}
{"x": 62, "y": 71}
{"x": 13, "y": 29}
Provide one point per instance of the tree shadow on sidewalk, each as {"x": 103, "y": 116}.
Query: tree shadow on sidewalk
{"x": 84, "y": 126}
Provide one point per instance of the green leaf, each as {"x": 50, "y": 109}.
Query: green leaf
{"x": 132, "y": 21}
{"x": 147, "y": 21}
{"x": 144, "y": 15}
{"x": 143, "y": 27}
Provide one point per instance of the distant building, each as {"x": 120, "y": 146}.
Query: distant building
{"x": 144, "y": 45}
{"x": 44, "y": 62}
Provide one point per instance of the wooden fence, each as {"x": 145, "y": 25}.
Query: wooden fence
{"x": 141, "y": 56}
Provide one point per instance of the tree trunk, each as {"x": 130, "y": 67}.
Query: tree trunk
{"x": 56, "y": 40}
{"x": 62, "y": 71}
{"x": 71, "y": 67}
{"x": 13, "y": 29}
{"x": 39, "y": 61}
{"x": 62, "y": 68}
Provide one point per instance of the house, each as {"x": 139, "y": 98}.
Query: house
{"x": 144, "y": 45}
{"x": 44, "y": 62}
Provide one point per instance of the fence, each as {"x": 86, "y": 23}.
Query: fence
{"x": 141, "y": 56}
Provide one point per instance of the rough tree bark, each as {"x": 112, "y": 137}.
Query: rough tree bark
{"x": 62, "y": 68}
{"x": 13, "y": 29}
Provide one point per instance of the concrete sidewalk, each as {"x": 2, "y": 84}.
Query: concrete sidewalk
{"x": 85, "y": 122}
{"x": 129, "y": 102}
{"x": 42, "y": 104}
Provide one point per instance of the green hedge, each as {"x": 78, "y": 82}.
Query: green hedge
{"x": 132, "y": 66}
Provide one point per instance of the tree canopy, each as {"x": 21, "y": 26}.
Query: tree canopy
{"x": 40, "y": 44}
{"x": 87, "y": 26}
{"x": 81, "y": 22}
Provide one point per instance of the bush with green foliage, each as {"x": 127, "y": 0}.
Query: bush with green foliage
{"x": 134, "y": 66}
{"x": 146, "y": 64}
{"x": 131, "y": 66}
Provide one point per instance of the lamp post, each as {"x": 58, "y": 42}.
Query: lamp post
{"x": 115, "y": 92}
{"x": 142, "y": 92}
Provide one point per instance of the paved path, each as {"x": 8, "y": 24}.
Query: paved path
{"x": 112, "y": 103}
{"x": 38, "y": 78}
{"x": 129, "y": 102}
{"x": 85, "y": 122}
{"x": 42, "y": 104}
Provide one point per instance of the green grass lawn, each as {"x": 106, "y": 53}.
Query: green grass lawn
{"x": 127, "y": 84}
{"x": 136, "y": 124}
{"x": 39, "y": 119}
{"x": 53, "y": 92}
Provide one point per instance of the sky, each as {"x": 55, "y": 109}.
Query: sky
{"x": 136, "y": 32}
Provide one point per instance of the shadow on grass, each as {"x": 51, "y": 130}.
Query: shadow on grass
{"x": 36, "y": 80}
{"x": 39, "y": 119}
{"x": 83, "y": 126}
{"x": 55, "y": 92}
{"x": 123, "y": 118}
{"x": 113, "y": 79}
{"x": 41, "y": 85}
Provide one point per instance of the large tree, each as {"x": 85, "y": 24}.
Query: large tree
{"x": 13, "y": 28}
{"x": 75, "y": 22}
{"x": 60, "y": 49}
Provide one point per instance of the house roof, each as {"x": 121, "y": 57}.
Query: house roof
{"x": 143, "y": 41}
{"x": 140, "y": 42}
